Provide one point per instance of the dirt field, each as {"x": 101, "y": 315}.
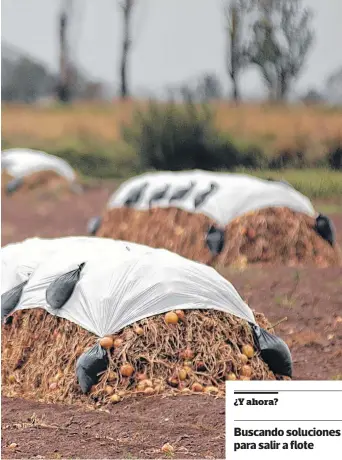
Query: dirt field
{"x": 310, "y": 298}
{"x": 133, "y": 429}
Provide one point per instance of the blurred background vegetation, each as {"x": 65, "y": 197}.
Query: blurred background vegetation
{"x": 195, "y": 125}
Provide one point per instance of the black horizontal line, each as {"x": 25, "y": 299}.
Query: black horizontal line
{"x": 294, "y": 391}
{"x": 255, "y": 392}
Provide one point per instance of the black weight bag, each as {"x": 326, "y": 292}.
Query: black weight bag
{"x": 325, "y": 228}
{"x": 93, "y": 225}
{"x": 14, "y": 185}
{"x": 89, "y": 365}
{"x": 273, "y": 351}
{"x": 214, "y": 239}
{"x": 61, "y": 289}
{"x": 10, "y": 299}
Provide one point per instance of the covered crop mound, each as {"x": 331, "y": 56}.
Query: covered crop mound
{"x": 195, "y": 354}
{"x": 266, "y": 236}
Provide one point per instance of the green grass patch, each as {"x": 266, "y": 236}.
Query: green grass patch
{"x": 314, "y": 183}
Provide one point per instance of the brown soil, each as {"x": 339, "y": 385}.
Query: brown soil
{"x": 269, "y": 236}
{"x": 193, "y": 425}
{"x": 26, "y": 216}
{"x": 312, "y": 301}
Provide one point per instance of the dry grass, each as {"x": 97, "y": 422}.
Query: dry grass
{"x": 274, "y": 126}
{"x": 280, "y": 126}
{"x": 267, "y": 236}
{"x": 39, "y": 350}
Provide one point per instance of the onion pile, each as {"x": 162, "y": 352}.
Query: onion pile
{"x": 179, "y": 352}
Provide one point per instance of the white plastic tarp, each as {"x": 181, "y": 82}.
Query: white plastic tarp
{"x": 116, "y": 291}
{"x": 20, "y": 163}
{"x": 19, "y": 260}
{"x": 237, "y": 194}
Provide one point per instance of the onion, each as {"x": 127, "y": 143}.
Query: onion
{"x": 118, "y": 342}
{"x": 115, "y": 398}
{"x": 141, "y": 386}
{"x": 197, "y": 387}
{"x": 180, "y": 314}
{"x": 109, "y": 390}
{"x": 248, "y": 351}
{"x": 186, "y": 390}
{"x": 106, "y": 342}
{"x": 243, "y": 358}
{"x": 187, "y": 369}
{"x": 112, "y": 376}
{"x": 171, "y": 318}
{"x": 53, "y": 386}
{"x": 211, "y": 390}
{"x": 13, "y": 445}
{"x": 187, "y": 354}
{"x": 167, "y": 449}
{"x": 126, "y": 370}
{"x": 231, "y": 376}
{"x": 159, "y": 388}
{"x": 54, "y": 379}
{"x": 139, "y": 330}
{"x": 246, "y": 371}
{"x": 12, "y": 379}
{"x": 144, "y": 384}
{"x": 182, "y": 374}
{"x": 149, "y": 391}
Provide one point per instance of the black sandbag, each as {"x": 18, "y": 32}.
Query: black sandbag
{"x": 325, "y": 228}
{"x": 61, "y": 289}
{"x": 273, "y": 351}
{"x": 89, "y": 365}
{"x": 215, "y": 240}
{"x": 93, "y": 225}
{"x": 14, "y": 185}
{"x": 10, "y": 299}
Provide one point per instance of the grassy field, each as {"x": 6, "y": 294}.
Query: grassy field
{"x": 315, "y": 183}
{"x": 274, "y": 125}
{"x": 89, "y": 137}
{"x": 273, "y": 128}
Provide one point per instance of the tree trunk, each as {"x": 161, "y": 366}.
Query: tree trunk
{"x": 123, "y": 72}
{"x": 283, "y": 87}
{"x": 126, "y": 45}
{"x": 63, "y": 90}
{"x": 236, "y": 91}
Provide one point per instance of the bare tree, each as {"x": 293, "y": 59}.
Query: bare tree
{"x": 127, "y": 9}
{"x": 282, "y": 37}
{"x": 209, "y": 87}
{"x": 237, "y": 13}
{"x": 63, "y": 89}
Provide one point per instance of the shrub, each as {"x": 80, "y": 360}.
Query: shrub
{"x": 183, "y": 137}
{"x": 335, "y": 157}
